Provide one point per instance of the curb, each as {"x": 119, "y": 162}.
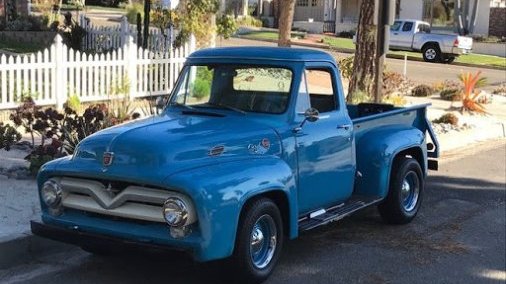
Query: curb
{"x": 18, "y": 251}
{"x": 351, "y": 51}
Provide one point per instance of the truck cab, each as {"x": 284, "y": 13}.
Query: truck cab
{"x": 254, "y": 146}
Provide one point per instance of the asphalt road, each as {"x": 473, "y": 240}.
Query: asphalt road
{"x": 420, "y": 72}
{"x": 458, "y": 237}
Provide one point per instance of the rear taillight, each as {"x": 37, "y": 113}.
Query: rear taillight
{"x": 456, "y": 42}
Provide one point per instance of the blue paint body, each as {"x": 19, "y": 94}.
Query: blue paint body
{"x": 311, "y": 169}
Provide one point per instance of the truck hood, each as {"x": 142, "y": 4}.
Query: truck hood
{"x": 171, "y": 142}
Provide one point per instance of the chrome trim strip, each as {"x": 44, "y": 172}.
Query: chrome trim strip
{"x": 93, "y": 196}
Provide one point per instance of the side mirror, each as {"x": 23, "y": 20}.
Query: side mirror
{"x": 311, "y": 114}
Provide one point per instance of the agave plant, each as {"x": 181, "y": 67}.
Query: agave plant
{"x": 470, "y": 96}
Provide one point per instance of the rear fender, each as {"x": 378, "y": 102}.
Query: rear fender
{"x": 219, "y": 193}
{"x": 376, "y": 151}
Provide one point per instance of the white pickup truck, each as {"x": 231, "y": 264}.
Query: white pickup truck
{"x": 414, "y": 35}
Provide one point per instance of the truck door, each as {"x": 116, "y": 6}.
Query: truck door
{"x": 404, "y": 37}
{"x": 326, "y": 161}
{"x": 394, "y": 34}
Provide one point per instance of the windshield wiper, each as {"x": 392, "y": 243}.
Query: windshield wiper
{"x": 192, "y": 110}
{"x": 227, "y": 107}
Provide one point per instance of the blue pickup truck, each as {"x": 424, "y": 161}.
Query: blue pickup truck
{"x": 254, "y": 146}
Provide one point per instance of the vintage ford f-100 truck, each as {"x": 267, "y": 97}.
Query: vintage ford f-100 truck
{"x": 254, "y": 146}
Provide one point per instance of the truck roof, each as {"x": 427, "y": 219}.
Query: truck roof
{"x": 262, "y": 53}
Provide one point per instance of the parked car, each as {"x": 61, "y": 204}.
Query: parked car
{"x": 255, "y": 145}
{"x": 414, "y": 35}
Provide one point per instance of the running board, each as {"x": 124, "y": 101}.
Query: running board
{"x": 325, "y": 216}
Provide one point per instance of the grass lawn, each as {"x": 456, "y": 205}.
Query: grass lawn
{"x": 19, "y": 47}
{"x": 267, "y": 35}
{"x": 339, "y": 42}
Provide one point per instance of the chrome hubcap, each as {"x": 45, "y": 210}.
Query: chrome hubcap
{"x": 430, "y": 53}
{"x": 263, "y": 241}
{"x": 410, "y": 191}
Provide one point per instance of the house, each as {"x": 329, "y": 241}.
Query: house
{"x": 10, "y": 8}
{"x": 318, "y": 16}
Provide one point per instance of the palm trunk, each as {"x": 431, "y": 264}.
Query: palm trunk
{"x": 287, "y": 8}
{"x": 362, "y": 79}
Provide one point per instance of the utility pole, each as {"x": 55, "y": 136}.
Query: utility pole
{"x": 384, "y": 17}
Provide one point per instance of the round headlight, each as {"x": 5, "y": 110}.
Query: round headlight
{"x": 51, "y": 193}
{"x": 175, "y": 212}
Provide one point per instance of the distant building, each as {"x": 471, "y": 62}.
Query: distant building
{"x": 334, "y": 16}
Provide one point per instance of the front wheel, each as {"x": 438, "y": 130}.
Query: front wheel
{"x": 405, "y": 192}
{"x": 259, "y": 241}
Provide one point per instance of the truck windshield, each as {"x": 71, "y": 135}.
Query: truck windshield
{"x": 242, "y": 88}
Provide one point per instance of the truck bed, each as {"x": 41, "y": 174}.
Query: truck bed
{"x": 367, "y": 116}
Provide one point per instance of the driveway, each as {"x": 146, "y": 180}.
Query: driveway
{"x": 458, "y": 237}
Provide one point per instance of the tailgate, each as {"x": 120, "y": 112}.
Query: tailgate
{"x": 465, "y": 42}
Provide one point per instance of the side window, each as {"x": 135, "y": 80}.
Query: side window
{"x": 407, "y": 26}
{"x": 321, "y": 90}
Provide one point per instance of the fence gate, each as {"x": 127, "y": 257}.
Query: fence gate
{"x": 329, "y": 27}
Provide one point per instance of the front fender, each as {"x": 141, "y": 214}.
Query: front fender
{"x": 220, "y": 191}
{"x": 376, "y": 151}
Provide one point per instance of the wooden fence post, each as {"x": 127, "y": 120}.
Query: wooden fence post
{"x": 60, "y": 79}
{"x": 131, "y": 54}
{"x": 124, "y": 31}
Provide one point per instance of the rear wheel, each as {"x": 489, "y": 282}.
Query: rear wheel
{"x": 431, "y": 53}
{"x": 449, "y": 59}
{"x": 259, "y": 241}
{"x": 405, "y": 192}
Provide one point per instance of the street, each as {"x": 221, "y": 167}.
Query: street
{"x": 457, "y": 237}
{"x": 419, "y": 72}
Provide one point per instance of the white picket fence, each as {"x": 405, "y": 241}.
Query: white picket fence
{"x": 51, "y": 76}
{"x": 99, "y": 38}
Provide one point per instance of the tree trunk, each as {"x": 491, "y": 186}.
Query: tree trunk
{"x": 362, "y": 79}
{"x": 287, "y": 8}
{"x": 147, "y": 10}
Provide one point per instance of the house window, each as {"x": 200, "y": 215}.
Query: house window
{"x": 315, "y": 3}
{"x": 302, "y": 3}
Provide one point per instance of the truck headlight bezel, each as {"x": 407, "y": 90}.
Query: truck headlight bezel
{"x": 51, "y": 194}
{"x": 175, "y": 212}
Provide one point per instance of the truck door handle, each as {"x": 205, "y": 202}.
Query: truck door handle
{"x": 396, "y": 33}
{"x": 344, "y": 126}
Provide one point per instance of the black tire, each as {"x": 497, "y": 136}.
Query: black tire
{"x": 448, "y": 59}
{"x": 243, "y": 258}
{"x": 431, "y": 53}
{"x": 400, "y": 207}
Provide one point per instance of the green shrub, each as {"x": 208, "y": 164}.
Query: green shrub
{"x": 248, "y": 21}
{"x": 450, "y": 95}
{"x": 225, "y": 26}
{"x": 422, "y": 91}
{"x": 8, "y": 136}
{"x": 132, "y": 11}
{"x": 449, "y": 118}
